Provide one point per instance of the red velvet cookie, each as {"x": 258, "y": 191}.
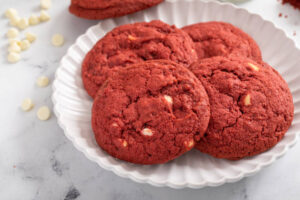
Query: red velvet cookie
{"x": 251, "y": 107}
{"x": 102, "y": 9}
{"x": 150, "y": 112}
{"x": 222, "y": 39}
{"x": 134, "y": 43}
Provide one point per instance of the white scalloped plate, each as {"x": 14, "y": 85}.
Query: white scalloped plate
{"x": 72, "y": 105}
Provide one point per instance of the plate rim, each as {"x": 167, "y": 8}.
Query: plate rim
{"x": 168, "y": 183}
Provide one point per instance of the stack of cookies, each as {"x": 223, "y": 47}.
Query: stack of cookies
{"x": 160, "y": 91}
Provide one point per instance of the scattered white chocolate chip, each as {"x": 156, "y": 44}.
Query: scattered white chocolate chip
{"x": 24, "y": 44}
{"x": 44, "y": 16}
{"x": 9, "y": 13}
{"x": 12, "y": 33}
{"x": 12, "y": 41}
{"x": 33, "y": 20}
{"x": 13, "y": 57}
{"x": 189, "y": 144}
{"x": 27, "y": 104}
{"x": 43, "y": 113}
{"x": 254, "y": 67}
{"x": 130, "y": 37}
{"x": 23, "y": 23}
{"x": 46, "y": 4}
{"x": 14, "y": 47}
{"x": 247, "y": 100}
{"x": 30, "y": 37}
{"x": 42, "y": 81}
{"x": 57, "y": 40}
{"x": 168, "y": 99}
{"x": 147, "y": 132}
{"x": 14, "y": 20}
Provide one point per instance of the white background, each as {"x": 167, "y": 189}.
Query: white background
{"x": 38, "y": 162}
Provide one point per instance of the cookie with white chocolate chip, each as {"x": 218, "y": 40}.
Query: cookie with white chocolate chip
{"x": 133, "y": 43}
{"x": 150, "y": 112}
{"x": 102, "y": 9}
{"x": 251, "y": 107}
{"x": 222, "y": 39}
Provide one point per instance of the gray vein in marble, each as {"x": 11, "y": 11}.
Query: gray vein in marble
{"x": 244, "y": 193}
{"x": 72, "y": 194}
{"x": 57, "y": 167}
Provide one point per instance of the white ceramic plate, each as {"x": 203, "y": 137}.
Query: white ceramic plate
{"x": 72, "y": 105}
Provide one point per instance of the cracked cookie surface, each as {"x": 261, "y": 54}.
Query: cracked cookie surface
{"x": 222, "y": 39}
{"x": 251, "y": 107}
{"x": 150, "y": 112}
{"x": 102, "y": 9}
{"x": 133, "y": 43}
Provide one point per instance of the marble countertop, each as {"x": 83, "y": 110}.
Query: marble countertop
{"x": 38, "y": 162}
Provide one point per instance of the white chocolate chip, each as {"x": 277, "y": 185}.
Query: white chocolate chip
{"x": 57, "y": 40}
{"x": 132, "y": 38}
{"x": 42, "y": 81}
{"x": 44, "y": 16}
{"x": 33, "y": 20}
{"x": 46, "y": 4}
{"x": 27, "y": 104}
{"x": 147, "y": 132}
{"x": 9, "y": 13}
{"x": 168, "y": 99}
{"x": 12, "y": 33}
{"x": 23, "y": 23}
{"x": 14, "y": 20}
{"x": 25, "y": 44}
{"x": 124, "y": 143}
{"x": 12, "y": 41}
{"x": 14, "y": 47}
{"x": 247, "y": 100}
{"x": 13, "y": 57}
{"x": 189, "y": 144}
{"x": 30, "y": 37}
{"x": 43, "y": 113}
{"x": 114, "y": 124}
{"x": 254, "y": 67}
